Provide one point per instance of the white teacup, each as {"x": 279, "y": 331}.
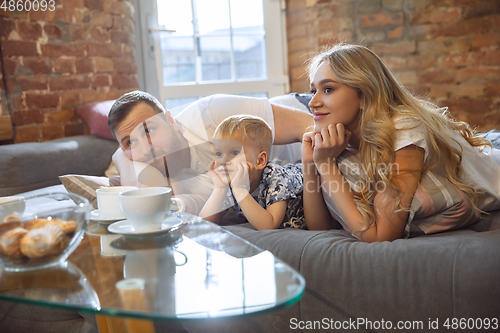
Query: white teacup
{"x": 11, "y": 206}
{"x": 107, "y": 201}
{"x": 147, "y": 205}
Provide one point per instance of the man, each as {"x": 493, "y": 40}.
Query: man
{"x": 159, "y": 150}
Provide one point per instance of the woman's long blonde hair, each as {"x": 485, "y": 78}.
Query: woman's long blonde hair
{"x": 383, "y": 99}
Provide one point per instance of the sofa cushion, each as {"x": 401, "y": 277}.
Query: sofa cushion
{"x": 32, "y": 165}
{"x": 84, "y": 186}
{"x": 95, "y": 115}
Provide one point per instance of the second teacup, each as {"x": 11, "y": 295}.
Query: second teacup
{"x": 147, "y": 205}
{"x": 107, "y": 201}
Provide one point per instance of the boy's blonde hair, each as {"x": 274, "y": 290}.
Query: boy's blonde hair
{"x": 251, "y": 127}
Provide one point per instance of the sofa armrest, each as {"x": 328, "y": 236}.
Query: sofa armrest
{"x": 32, "y": 165}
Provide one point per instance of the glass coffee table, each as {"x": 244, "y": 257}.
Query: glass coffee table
{"x": 196, "y": 271}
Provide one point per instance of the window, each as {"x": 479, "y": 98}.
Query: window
{"x": 195, "y": 48}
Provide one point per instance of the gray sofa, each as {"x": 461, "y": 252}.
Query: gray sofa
{"x": 419, "y": 280}
{"x": 32, "y": 165}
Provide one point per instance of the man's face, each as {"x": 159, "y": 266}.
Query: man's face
{"x": 145, "y": 135}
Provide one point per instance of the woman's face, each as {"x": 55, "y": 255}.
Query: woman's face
{"x": 333, "y": 102}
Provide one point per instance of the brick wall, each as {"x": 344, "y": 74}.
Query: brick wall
{"x": 446, "y": 50}
{"x": 55, "y": 60}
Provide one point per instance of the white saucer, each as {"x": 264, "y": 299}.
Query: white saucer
{"x": 148, "y": 230}
{"x": 96, "y": 216}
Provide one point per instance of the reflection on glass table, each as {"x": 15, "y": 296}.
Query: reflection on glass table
{"x": 63, "y": 285}
{"x": 196, "y": 271}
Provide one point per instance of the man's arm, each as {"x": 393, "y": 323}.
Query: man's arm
{"x": 290, "y": 124}
{"x": 137, "y": 173}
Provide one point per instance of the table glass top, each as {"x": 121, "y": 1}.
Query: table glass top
{"x": 196, "y": 271}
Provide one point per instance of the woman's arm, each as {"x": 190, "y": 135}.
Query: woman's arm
{"x": 316, "y": 213}
{"x": 407, "y": 169}
{"x": 290, "y": 124}
{"x": 389, "y": 225}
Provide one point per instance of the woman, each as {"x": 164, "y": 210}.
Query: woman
{"x": 359, "y": 106}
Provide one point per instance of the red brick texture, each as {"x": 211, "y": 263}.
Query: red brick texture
{"x": 57, "y": 60}
{"x": 445, "y": 51}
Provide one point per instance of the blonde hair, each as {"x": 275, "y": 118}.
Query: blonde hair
{"x": 383, "y": 99}
{"x": 251, "y": 127}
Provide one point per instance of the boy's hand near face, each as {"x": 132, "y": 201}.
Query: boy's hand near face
{"x": 240, "y": 184}
{"x": 212, "y": 210}
{"x": 219, "y": 182}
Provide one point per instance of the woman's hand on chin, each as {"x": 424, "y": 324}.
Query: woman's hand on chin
{"x": 330, "y": 143}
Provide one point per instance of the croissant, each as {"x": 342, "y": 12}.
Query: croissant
{"x": 43, "y": 241}
{"x": 10, "y": 242}
{"x": 65, "y": 226}
{"x": 9, "y": 225}
{"x": 36, "y": 223}
{"x": 11, "y": 218}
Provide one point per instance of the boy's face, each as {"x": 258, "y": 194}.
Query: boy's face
{"x": 228, "y": 153}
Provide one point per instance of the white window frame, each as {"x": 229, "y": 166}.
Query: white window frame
{"x": 149, "y": 61}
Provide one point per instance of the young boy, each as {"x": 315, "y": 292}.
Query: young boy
{"x": 267, "y": 194}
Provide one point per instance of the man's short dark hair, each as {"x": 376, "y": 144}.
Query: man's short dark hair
{"x": 124, "y": 105}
